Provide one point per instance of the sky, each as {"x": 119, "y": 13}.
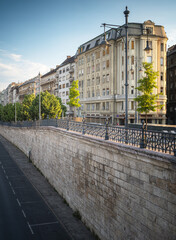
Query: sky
{"x": 37, "y": 35}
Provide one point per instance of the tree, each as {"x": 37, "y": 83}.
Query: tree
{"x": 8, "y": 113}
{"x": 50, "y": 106}
{"x": 63, "y": 107}
{"x": 73, "y": 96}
{"x": 26, "y": 104}
{"x": 147, "y": 101}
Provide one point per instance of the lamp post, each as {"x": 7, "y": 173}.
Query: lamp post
{"x": 147, "y": 49}
{"x": 39, "y": 99}
{"x": 126, "y": 12}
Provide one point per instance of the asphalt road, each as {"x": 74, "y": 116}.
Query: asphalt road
{"x": 24, "y": 215}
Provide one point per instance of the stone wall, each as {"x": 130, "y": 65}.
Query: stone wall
{"x": 121, "y": 192}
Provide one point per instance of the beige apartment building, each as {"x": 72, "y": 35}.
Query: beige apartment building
{"x": 26, "y": 88}
{"x": 101, "y": 73}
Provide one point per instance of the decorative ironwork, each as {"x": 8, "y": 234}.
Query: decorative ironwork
{"x": 154, "y": 140}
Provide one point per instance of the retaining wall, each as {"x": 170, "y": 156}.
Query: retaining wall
{"x": 121, "y": 192}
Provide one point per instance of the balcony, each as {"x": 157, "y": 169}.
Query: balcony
{"x": 71, "y": 70}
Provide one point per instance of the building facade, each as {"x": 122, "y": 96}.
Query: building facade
{"x": 48, "y": 81}
{"x": 101, "y": 72}
{"x": 171, "y": 85}
{"x": 66, "y": 74}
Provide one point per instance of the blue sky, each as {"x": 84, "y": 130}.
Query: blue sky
{"x": 37, "y": 35}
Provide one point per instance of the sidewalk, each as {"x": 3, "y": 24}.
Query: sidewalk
{"x": 62, "y": 211}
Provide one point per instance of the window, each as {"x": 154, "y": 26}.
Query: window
{"x": 63, "y": 86}
{"x": 93, "y": 93}
{"x": 67, "y": 92}
{"x": 107, "y": 91}
{"x": 88, "y": 70}
{"x": 82, "y": 60}
{"x": 97, "y": 106}
{"x": 63, "y": 70}
{"x": 88, "y": 107}
{"x": 97, "y": 92}
{"x": 104, "y": 78}
{"x": 122, "y": 106}
{"x": 82, "y": 72}
{"x": 97, "y": 42}
{"x": 132, "y": 60}
{"x": 93, "y": 106}
{"x": 132, "y": 75}
{"x": 150, "y": 44}
{"x": 107, "y": 63}
{"x": 162, "y": 47}
{"x": 103, "y": 52}
{"x": 122, "y": 75}
{"x": 97, "y": 80}
{"x": 67, "y": 84}
{"x": 132, "y": 44}
{"x": 132, "y": 89}
{"x": 161, "y": 61}
{"x": 98, "y": 67}
{"x": 103, "y": 106}
{"x": 88, "y": 82}
{"x": 161, "y": 76}
{"x": 88, "y": 46}
{"x": 88, "y": 93}
{"x": 93, "y": 81}
{"x": 104, "y": 64}
{"x": 122, "y": 89}
{"x": 149, "y": 59}
{"x": 67, "y": 69}
{"x": 107, "y": 106}
{"x": 107, "y": 77}
{"x": 103, "y": 92}
{"x": 150, "y": 30}
{"x": 60, "y": 71}
{"x": 161, "y": 89}
{"x": 132, "y": 105}
{"x": 93, "y": 68}
{"x": 122, "y": 60}
{"x": 88, "y": 58}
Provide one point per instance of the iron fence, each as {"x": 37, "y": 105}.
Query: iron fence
{"x": 154, "y": 140}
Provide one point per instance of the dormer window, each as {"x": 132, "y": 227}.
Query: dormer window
{"x": 88, "y": 46}
{"x": 150, "y": 30}
{"x": 97, "y": 42}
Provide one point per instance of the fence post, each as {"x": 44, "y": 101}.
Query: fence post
{"x": 142, "y": 143}
{"x": 106, "y": 134}
{"x": 56, "y": 120}
{"x": 83, "y": 125}
{"x": 68, "y": 123}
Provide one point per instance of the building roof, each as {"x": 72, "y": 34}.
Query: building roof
{"x": 28, "y": 81}
{"x": 68, "y": 60}
{"x": 134, "y": 29}
{"x": 50, "y": 72}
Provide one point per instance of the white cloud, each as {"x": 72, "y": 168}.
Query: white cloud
{"x": 13, "y": 68}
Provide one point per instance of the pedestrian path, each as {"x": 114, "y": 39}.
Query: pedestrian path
{"x": 45, "y": 214}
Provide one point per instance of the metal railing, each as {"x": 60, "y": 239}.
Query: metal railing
{"x": 154, "y": 140}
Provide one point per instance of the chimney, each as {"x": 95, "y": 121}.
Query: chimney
{"x": 68, "y": 57}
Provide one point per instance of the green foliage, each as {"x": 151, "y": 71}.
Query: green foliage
{"x": 63, "y": 107}
{"x": 29, "y": 109}
{"x": 147, "y": 101}
{"x": 74, "y": 94}
{"x": 50, "y": 106}
{"x": 26, "y": 105}
{"x": 8, "y": 113}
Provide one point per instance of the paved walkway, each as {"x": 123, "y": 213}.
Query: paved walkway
{"x": 63, "y": 213}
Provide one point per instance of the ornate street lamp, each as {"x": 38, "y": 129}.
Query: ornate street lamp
{"x": 147, "y": 49}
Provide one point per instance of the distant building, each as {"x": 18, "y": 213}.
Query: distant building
{"x": 48, "y": 81}
{"x": 171, "y": 85}
{"x": 26, "y": 88}
{"x": 101, "y": 72}
{"x": 65, "y": 76}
